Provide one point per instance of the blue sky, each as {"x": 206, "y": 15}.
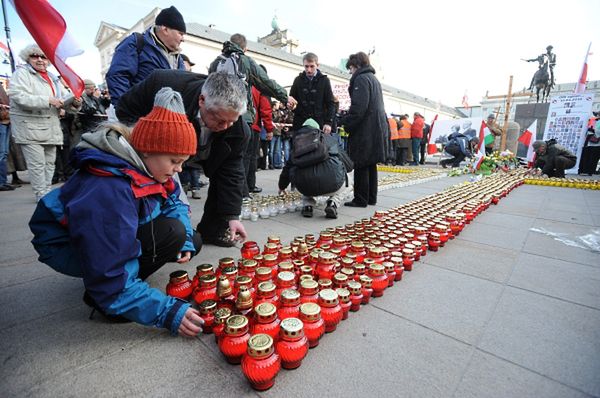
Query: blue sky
{"x": 436, "y": 49}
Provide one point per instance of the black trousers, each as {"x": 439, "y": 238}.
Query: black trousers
{"x": 365, "y": 185}
{"x": 401, "y": 156}
{"x": 250, "y": 157}
{"x": 162, "y": 240}
{"x": 423, "y": 149}
{"x": 589, "y": 159}
{"x": 455, "y": 151}
{"x": 556, "y": 166}
{"x": 211, "y": 224}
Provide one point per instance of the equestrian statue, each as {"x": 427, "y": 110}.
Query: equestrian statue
{"x": 543, "y": 78}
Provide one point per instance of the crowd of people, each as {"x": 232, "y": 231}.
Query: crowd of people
{"x": 172, "y": 124}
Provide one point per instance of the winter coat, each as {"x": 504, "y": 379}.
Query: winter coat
{"x": 366, "y": 122}
{"x": 87, "y": 228}
{"x": 33, "y": 120}
{"x": 131, "y": 65}
{"x": 458, "y": 142}
{"x": 264, "y": 112}
{"x": 255, "y": 77}
{"x": 319, "y": 179}
{"x": 553, "y": 150}
{"x": 315, "y": 100}
{"x": 416, "y": 129}
{"x": 220, "y": 157}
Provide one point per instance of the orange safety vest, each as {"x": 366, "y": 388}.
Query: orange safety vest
{"x": 393, "y": 129}
{"x": 404, "y": 131}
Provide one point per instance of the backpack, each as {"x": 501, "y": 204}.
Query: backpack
{"x": 230, "y": 64}
{"x": 308, "y": 147}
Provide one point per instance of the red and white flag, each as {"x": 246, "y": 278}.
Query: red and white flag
{"x": 527, "y": 139}
{"x": 581, "y": 83}
{"x": 465, "y": 101}
{"x": 480, "y": 155}
{"x": 49, "y": 30}
{"x": 431, "y": 148}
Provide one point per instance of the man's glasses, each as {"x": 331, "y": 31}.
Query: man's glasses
{"x": 40, "y": 56}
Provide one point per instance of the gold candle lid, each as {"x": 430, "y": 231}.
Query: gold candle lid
{"x": 377, "y": 269}
{"x": 408, "y": 252}
{"x": 244, "y": 299}
{"x": 302, "y": 248}
{"x": 359, "y": 268}
{"x": 260, "y": 345}
{"x": 273, "y": 239}
{"x": 348, "y": 271}
{"x": 309, "y": 284}
{"x": 271, "y": 247}
{"x": 285, "y": 251}
{"x": 365, "y": 281}
{"x": 236, "y": 324}
{"x": 249, "y": 264}
{"x": 310, "y": 312}
{"x": 306, "y": 270}
{"x": 265, "y": 288}
{"x": 416, "y": 244}
{"x": 324, "y": 283}
{"x": 222, "y": 314}
{"x": 305, "y": 277}
{"x": 265, "y": 312}
{"x": 204, "y": 268}
{"x": 178, "y": 276}
{"x": 229, "y": 271}
{"x": 434, "y": 235}
{"x": 226, "y": 262}
{"x": 269, "y": 257}
{"x": 286, "y": 266}
{"x": 343, "y": 294}
{"x": 207, "y": 306}
{"x": 340, "y": 279}
{"x": 207, "y": 280}
{"x": 224, "y": 287}
{"x": 357, "y": 244}
{"x": 243, "y": 280}
{"x": 376, "y": 251}
{"x": 292, "y": 327}
{"x": 290, "y": 297}
{"x": 327, "y": 257}
{"x": 263, "y": 271}
{"x": 286, "y": 277}
{"x": 298, "y": 264}
{"x": 409, "y": 246}
{"x": 354, "y": 287}
{"x": 328, "y": 298}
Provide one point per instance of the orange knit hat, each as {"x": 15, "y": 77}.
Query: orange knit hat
{"x": 166, "y": 128}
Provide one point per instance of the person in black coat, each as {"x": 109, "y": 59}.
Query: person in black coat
{"x": 367, "y": 126}
{"x": 312, "y": 90}
{"x": 213, "y": 104}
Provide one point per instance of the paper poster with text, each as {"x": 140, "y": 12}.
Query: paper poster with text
{"x": 567, "y": 122}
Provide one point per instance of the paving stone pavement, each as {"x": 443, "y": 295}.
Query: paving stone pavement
{"x": 501, "y": 311}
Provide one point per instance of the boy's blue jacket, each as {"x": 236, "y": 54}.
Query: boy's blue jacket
{"x": 88, "y": 227}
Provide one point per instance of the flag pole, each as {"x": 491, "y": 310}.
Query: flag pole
{"x": 506, "y": 115}
{"x": 7, "y": 30}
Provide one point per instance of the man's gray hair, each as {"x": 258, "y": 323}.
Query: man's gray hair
{"x": 29, "y": 51}
{"x": 225, "y": 91}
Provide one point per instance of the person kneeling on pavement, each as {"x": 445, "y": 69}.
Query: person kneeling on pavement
{"x": 319, "y": 172}
{"x": 460, "y": 147}
{"x": 119, "y": 219}
{"x": 553, "y": 159}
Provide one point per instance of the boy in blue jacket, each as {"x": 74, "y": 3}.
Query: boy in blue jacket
{"x": 119, "y": 218}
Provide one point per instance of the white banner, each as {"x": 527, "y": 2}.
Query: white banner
{"x": 341, "y": 92}
{"x": 567, "y": 122}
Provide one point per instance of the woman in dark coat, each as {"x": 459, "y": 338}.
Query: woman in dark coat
{"x": 367, "y": 126}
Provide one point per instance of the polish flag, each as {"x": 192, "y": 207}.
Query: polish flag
{"x": 4, "y": 47}
{"x": 465, "y": 101}
{"x": 527, "y": 139}
{"x": 580, "y": 86}
{"x": 431, "y": 148}
{"x": 49, "y": 30}
{"x": 481, "y": 148}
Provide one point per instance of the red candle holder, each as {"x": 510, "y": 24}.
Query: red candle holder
{"x": 358, "y": 248}
{"x": 274, "y": 239}
{"x": 234, "y": 342}
{"x": 314, "y": 326}
{"x": 180, "y": 285}
{"x": 207, "y": 310}
{"x": 408, "y": 258}
{"x": 270, "y": 261}
{"x": 359, "y": 270}
{"x": 340, "y": 280}
{"x": 201, "y": 270}
{"x": 266, "y": 294}
{"x": 379, "y": 278}
{"x": 207, "y": 289}
{"x": 285, "y": 280}
{"x": 398, "y": 266}
{"x": 225, "y": 262}
{"x": 356, "y": 296}
{"x": 309, "y": 291}
{"x": 325, "y": 284}
{"x": 377, "y": 254}
{"x": 221, "y": 316}
{"x": 290, "y": 304}
{"x": 344, "y": 298}
{"x": 226, "y": 298}
{"x": 292, "y": 346}
{"x": 434, "y": 241}
{"x": 266, "y": 320}
{"x": 390, "y": 270}
{"x": 246, "y": 281}
{"x": 260, "y": 363}
{"x": 325, "y": 268}
{"x": 249, "y": 250}
{"x": 248, "y": 268}
{"x": 263, "y": 274}
{"x": 366, "y": 289}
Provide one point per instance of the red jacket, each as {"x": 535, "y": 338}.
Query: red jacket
{"x": 264, "y": 113}
{"x": 416, "y": 130}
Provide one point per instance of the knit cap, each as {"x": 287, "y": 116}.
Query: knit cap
{"x": 166, "y": 128}
{"x": 171, "y": 18}
{"x": 311, "y": 123}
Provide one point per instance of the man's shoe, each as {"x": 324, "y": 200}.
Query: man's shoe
{"x": 95, "y": 307}
{"x": 444, "y": 165}
{"x": 307, "y": 211}
{"x": 372, "y": 203}
{"x": 6, "y": 187}
{"x": 196, "y": 194}
{"x": 17, "y": 181}
{"x": 331, "y": 210}
{"x": 221, "y": 241}
{"x": 354, "y": 204}
{"x": 255, "y": 190}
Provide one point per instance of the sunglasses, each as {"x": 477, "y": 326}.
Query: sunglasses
{"x": 41, "y": 56}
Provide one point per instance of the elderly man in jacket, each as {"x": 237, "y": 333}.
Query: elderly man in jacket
{"x": 214, "y": 106}
{"x": 140, "y": 54}
{"x": 553, "y": 159}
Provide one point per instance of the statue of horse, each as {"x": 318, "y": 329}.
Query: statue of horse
{"x": 541, "y": 81}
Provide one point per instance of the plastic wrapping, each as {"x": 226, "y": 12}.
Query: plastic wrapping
{"x": 589, "y": 241}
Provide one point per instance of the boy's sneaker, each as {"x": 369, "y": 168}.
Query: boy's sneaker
{"x": 196, "y": 194}
{"x": 307, "y": 211}
{"x": 331, "y": 209}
